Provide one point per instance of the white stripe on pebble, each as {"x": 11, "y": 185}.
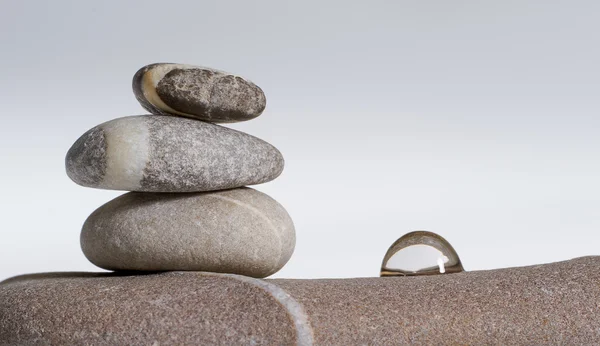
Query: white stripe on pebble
{"x": 127, "y": 153}
{"x": 304, "y": 333}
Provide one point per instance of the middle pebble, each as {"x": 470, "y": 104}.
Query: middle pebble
{"x": 153, "y": 153}
{"x": 239, "y": 231}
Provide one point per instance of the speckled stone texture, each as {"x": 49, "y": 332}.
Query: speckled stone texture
{"x": 197, "y": 92}
{"x": 153, "y": 153}
{"x": 160, "y": 309}
{"x": 240, "y": 231}
{"x": 552, "y": 304}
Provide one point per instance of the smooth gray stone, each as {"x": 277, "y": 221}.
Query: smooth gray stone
{"x": 197, "y": 92}
{"x": 240, "y": 231}
{"x": 154, "y": 153}
{"x": 549, "y": 304}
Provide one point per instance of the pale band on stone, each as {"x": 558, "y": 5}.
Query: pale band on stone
{"x": 420, "y": 253}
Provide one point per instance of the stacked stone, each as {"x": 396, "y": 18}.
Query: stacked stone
{"x": 189, "y": 208}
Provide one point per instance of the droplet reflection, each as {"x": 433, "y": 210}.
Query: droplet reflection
{"x": 420, "y": 253}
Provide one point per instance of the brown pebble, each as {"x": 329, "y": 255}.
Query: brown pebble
{"x": 197, "y": 92}
{"x": 551, "y": 304}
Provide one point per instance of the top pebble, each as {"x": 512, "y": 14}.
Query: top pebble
{"x": 197, "y": 92}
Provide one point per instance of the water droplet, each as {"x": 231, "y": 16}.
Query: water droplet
{"x": 420, "y": 253}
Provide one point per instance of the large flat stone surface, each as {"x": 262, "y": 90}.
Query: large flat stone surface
{"x": 178, "y": 308}
{"x": 551, "y": 304}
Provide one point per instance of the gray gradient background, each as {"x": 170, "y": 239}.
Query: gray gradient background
{"x": 478, "y": 120}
